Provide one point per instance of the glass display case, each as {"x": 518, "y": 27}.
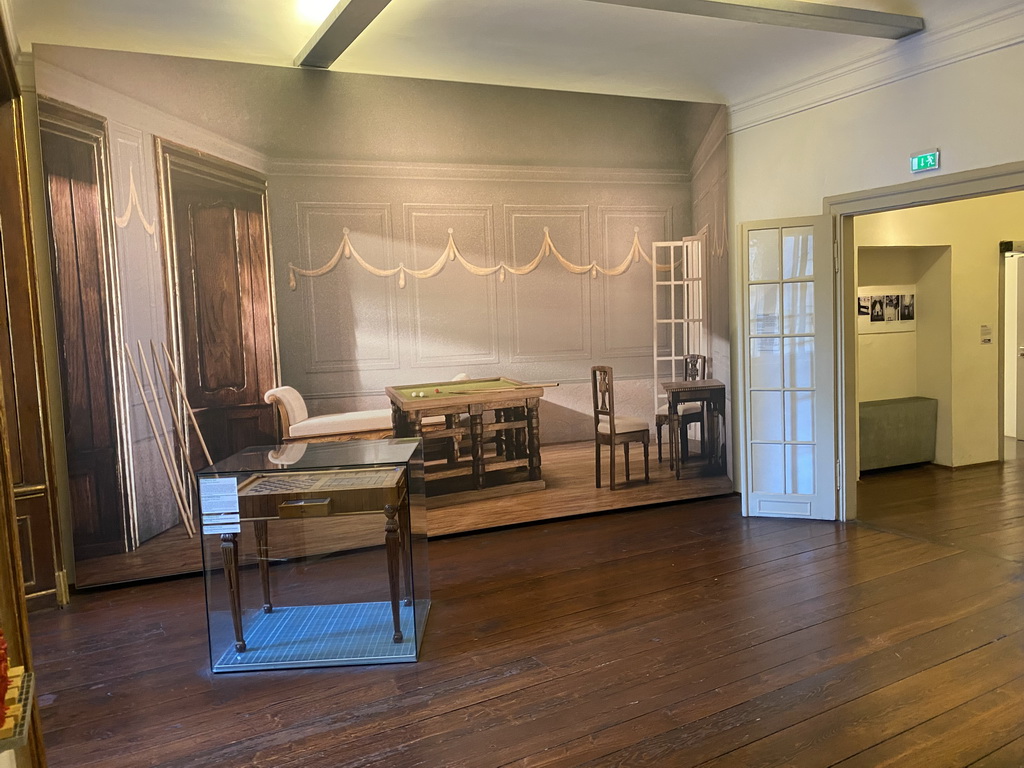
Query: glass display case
{"x": 315, "y": 554}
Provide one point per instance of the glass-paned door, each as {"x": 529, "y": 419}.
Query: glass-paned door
{"x": 789, "y": 420}
{"x": 680, "y": 310}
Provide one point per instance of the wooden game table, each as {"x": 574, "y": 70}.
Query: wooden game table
{"x": 320, "y": 494}
{"x": 710, "y": 392}
{"x": 515, "y": 425}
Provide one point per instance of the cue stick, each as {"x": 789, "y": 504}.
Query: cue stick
{"x": 168, "y": 444}
{"x": 184, "y": 399}
{"x": 498, "y": 390}
{"x": 152, "y": 424}
{"x": 179, "y": 433}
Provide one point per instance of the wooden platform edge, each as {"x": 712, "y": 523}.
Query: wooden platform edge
{"x": 496, "y": 492}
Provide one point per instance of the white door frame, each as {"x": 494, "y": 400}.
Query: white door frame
{"x": 933, "y": 189}
{"x": 800, "y": 444}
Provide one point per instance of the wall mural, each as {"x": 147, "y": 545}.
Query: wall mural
{"x": 379, "y": 229}
{"x": 452, "y": 253}
{"x": 134, "y": 207}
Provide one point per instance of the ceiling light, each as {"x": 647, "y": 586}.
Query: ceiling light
{"x": 313, "y": 11}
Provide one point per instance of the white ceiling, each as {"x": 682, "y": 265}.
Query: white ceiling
{"x": 570, "y": 45}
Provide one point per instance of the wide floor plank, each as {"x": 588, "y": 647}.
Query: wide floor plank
{"x": 680, "y": 635}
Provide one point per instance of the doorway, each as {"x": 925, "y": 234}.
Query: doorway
{"x": 947, "y": 253}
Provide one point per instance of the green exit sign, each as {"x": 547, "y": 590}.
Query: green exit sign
{"x": 926, "y": 161}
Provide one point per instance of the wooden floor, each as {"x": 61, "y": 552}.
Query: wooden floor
{"x": 675, "y": 636}
{"x": 568, "y": 471}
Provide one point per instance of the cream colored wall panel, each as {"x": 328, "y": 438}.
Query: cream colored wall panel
{"x": 453, "y": 313}
{"x": 143, "y": 314}
{"x": 550, "y": 305}
{"x": 350, "y": 319}
{"x": 624, "y": 307}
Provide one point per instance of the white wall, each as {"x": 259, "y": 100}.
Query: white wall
{"x": 972, "y": 109}
{"x": 960, "y": 92}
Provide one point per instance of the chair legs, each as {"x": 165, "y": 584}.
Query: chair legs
{"x": 625, "y": 456}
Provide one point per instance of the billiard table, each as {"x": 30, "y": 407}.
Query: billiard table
{"x": 515, "y": 425}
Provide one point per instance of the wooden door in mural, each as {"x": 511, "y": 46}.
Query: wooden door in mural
{"x": 74, "y": 162}
{"x": 219, "y": 262}
{"x": 21, "y": 370}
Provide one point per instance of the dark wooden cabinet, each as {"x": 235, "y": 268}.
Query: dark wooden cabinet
{"x": 21, "y": 370}
{"x": 22, "y": 440}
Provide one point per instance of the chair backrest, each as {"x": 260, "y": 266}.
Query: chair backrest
{"x": 290, "y": 406}
{"x": 694, "y": 367}
{"x": 602, "y": 388}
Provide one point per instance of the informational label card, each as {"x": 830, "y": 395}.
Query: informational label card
{"x": 218, "y": 499}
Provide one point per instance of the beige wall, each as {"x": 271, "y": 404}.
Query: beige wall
{"x": 971, "y": 229}
{"x": 919, "y": 362}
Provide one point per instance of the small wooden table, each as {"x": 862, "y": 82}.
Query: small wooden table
{"x": 709, "y": 391}
{"x": 516, "y": 424}
{"x": 299, "y": 495}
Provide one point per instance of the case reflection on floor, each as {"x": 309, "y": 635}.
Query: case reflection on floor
{"x": 325, "y": 635}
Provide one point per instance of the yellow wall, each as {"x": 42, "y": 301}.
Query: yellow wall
{"x": 972, "y": 230}
{"x": 917, "y": 363}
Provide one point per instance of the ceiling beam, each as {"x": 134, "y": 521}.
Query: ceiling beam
{"x": 342, "y": 26}
{"x": 791, "y": 13}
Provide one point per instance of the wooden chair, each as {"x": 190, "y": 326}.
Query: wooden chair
{"x": 612, "y": 430}
{"x": 694, "y": 368}
{"x": 297, "y": 424}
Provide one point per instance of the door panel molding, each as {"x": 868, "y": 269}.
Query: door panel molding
{"x": 215, "y": 229}
{"x": 75, "y": 143}
{"x": 788, "y": 430}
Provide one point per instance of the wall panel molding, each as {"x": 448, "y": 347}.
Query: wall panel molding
{"x": 533, "y": 337}
{"x": 617, "y": 312}
{"x": 454, "y": 303}
{"x": 350, "y": 321}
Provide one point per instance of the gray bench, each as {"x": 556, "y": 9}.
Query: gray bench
{"x": 898, "y": 431}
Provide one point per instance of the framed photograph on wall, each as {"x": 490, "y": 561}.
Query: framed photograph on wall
{"x": 886, "y": 309}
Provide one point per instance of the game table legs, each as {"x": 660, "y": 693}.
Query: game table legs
{"x": 476, "y": 433}
{"x": 394, "y": 547}
{"x": 533, "y": 436}
{"x": 259, "y": 528}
